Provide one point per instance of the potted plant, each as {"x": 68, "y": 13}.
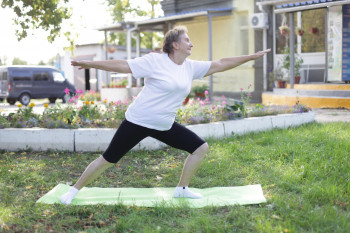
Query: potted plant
{"x": 198, "y": 91}
{"x": 300, "y": 31}
{"x": 284, "y": 30}
{"x": 276, "y": 78}
{"x": 314, "y": 30}
{"x": 298, "y": 61}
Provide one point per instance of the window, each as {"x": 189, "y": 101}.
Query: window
{"x": 3, "y": 76}
{"x": 21, "y": 75}
{"x": 313, "y": 24}
{"x": 313, "y": 31}
{"x": 244, "y": 36}
{"x": 58, "y": 77}
{"x": 41, "y": 76}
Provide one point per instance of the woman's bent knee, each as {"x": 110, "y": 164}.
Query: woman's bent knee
{"x": 202, "y": 150}
{"x": 103, "y": 161}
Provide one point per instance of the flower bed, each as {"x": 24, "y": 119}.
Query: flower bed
{"x": 81, "y": 111}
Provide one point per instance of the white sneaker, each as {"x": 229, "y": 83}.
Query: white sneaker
{"x": 185, "y": 192}
{"x": 67, "y": 198}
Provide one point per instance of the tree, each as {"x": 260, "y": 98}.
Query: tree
{"x": 3, "y": 61}
{"x": 18, "y": 61}
{"x": 37, "y": 14}
{"x": 122, "y": 10}
{"x": 41, "y": 63}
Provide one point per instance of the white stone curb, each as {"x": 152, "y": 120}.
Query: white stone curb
{"x": 85, "y": 140}
{"x": 37, "y": 139}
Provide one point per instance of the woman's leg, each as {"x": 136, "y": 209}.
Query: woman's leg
{"x": 126, "y": 137}
{"x": 192, "y": 164}
{"x": 92, "y": 171}
{"x": 182, "y": 138}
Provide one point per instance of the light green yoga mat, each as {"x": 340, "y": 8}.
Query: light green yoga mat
{"x": 150, "y": 197}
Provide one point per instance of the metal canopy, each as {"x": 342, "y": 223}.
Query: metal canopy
{"x": 163, "y": 24}
{"x": 287, "y": 6}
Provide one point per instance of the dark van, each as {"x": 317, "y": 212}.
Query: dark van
{"x": 24, "y": 83}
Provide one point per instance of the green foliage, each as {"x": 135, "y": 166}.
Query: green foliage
{"x": 4, "y": 123}
{"x": 124, "y": 10}
{"x": 199, "y": 89}
{"x": 303, "y": 171}
{"x": 298, "y": 61}
{"x": 24, "y": 117}
{"x": 36, "y": 14}
{"x": 89, "y": 112}
{"x": 77, "y": 114}
{"x": 276, "y": 74}
{"x": 245, "y": 98}
{"x": 18, "y": 61}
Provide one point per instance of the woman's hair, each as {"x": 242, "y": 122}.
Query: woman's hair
{"x": 172, "y": 36}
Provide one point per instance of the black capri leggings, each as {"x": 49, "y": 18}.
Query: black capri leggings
{"x": 129, "y": 134}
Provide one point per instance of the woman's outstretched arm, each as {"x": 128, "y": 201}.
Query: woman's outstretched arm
{"x": 232, "y": 62}
{"x": 120, "y": 66}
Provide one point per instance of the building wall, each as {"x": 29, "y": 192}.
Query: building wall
{"x": 226, "y": 42}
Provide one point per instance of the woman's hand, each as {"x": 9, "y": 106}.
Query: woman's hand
{"x": 80, "y": 64}
{"x": 232, "y": 62}
{"x": 260, "y": 54}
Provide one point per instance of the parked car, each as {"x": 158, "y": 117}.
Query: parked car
{"x": 24, "y": 83}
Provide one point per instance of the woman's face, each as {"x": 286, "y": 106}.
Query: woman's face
{"x": 184, "y": 46}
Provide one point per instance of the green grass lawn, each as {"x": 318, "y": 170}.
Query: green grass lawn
{"x": 304, "y": 172}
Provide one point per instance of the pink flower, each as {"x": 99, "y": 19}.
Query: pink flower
{"x": 249, "y": 94}
{"x": 224, "y": 102}
{"x": 214, "y": 107}
{"x": 250, "y": 85}
{"x": 81, "y": 92}
{"x": 76, "y": 97}
{"x": 71, "y": 100}
{"x": 201, "y": 102}
{"x": 119, "y": 102}
{"x": 77, "y": 91}
{"x": 92, "y": 91}
{"x": 241, "y": 89}
{"x": 223, "y": 98}
{"x": 206, "y": 92}
{"x": 79, "y": 108}
{"x": 66, "y": 91}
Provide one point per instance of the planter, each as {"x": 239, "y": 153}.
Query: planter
{"x": 115, "y": 94}
{"x": 314, "y": 30}
{"x": 186, "y": 101}
{"x": 98, "y": 139}
{"x": 297, "y": 79}
{"x": 281, "y": 84}
{"x": 200, "y": 95}
{"x": 300, "y": 32}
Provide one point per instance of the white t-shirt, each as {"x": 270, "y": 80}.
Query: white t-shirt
{"x": 166, "y": 86}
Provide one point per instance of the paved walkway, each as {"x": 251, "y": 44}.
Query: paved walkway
{"x": 332, "y": 115}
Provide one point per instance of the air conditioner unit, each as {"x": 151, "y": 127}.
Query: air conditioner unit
{"x": 259, "y": 21}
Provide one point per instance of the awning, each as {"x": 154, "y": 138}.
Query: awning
{"x": 164, "y": 24}
{"x": 298, "y": 5}
{"x": 161, "y": 23}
